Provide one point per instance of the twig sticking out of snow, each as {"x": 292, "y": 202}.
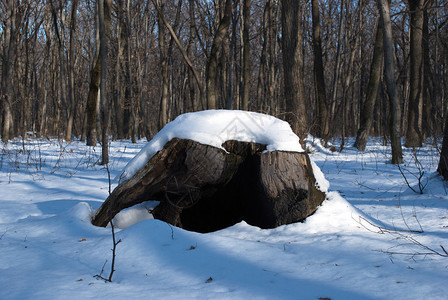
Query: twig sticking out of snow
{"x": 112, "y": 267}
{"x": 418, "y": 176}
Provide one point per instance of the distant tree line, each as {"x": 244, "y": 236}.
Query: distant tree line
{"x": 94, "y": 69}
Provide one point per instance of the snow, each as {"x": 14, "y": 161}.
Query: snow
{"x": 214, "y": 127}
{"x": 132, "y": 215}
{"x": 50, "y": 250}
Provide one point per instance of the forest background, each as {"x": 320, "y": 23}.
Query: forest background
{"x": 331, "y": 68}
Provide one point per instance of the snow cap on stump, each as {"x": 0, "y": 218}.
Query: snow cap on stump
{"x": 214, "y": 127}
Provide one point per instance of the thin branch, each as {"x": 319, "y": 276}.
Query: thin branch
{"x": 112, "y": 267}
{"x": 383, "y": 230}
{"x": 444, "y": 250}
{"x": 181, "y": 49}
{"x": 100, "y": 276}
{"x": 406, "y": 180}
{"x": 3, "y": 234}
{"x": 399, "y": 234}
{"x": 108, "y": 177}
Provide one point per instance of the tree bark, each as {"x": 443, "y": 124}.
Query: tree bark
{"x": 192, "y": 74}
{"x": 372, "y": 91}
{"x": 62, "y": 99}
{"x": 262, "y": 83}
{"x": 337, "y": 66}
{"x": 395, "y": 110}
{"x": 443, "y": 162}
{"x": 71, "y": 74}
{"x": 346, "y": 90}
{"x": 428, "y": 84}
{"x": 105, "y": 20}
{"x": 119, "y": 104}
{"x": 293, "y": 66}
{"x": 204, "y": 188}
{"x": 128, "y": 105}
{"x": 163, "y": 107}
{"x": 415, "y": 112}
{"x": 246, "y": 54}
{"x": 212, "y": 87}
{"x": 93, "y": 104}
{"x": 9, "y": 49}
{"x": 319, "y": 78}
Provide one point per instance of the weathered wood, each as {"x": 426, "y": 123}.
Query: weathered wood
{"x": 203, "y": 188}
{"x": 182, "y": 167}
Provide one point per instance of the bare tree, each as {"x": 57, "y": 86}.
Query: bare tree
{"x": 443, "y": 162}
{"x": 372, "y": 91}
{"x": 415, "y": 112}
{"x": 395, "y": 110}
{"x": 246, "y": 54}
{"x": 104, "y": 20}
{"x": 185, "y": 54}
{"x": 71, "y": 75}
{"x": 214, "y": 51}
{"x": 9, "y": 49}
{"x": 293, "y": 66}
{"x": 58, "y": 15}
{"x": 319, "y": 78}
{"x": 268, "y": 66}
{"x": 92, "y": 107}
{"x": 163, "y": 108}
{"x": 211, "y": 79}
{"x": 338, "y": 59}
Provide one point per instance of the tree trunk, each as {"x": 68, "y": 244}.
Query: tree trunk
{"x": 189, "y": 53}
{"x": 92, "y": 106}
{"x": 293, "y": 66}
{"x": 337, "y": 65}
{"x": 204, "y": 188}
{"x": 372, "y": 91}
{"x": 212, "y": 86}
{"x": 414, "y": 131}
{"x": 273, "y": 69}
{"x": 129, "y": 107}
{"x": 62, "y": 99}
{"x": 346, "y": 89}
{"x": 319, "y": 78}
{"x": 9, "y": 49}
{"x": 163, "y": 107}
{"x": 346, "y": 101}
{"x": 428, "y": 84}
{"x": 443, "y": 162}
{"x": 246, "y": 54}
{"x": 71, "y": 74}
{"x": 105, "y": 19}
{"x": 119, "y": 85}
{"x": 232, "y": 48}
{"x": 184, "y": 53}
{"x": 395, "y": 110}
{"x": 262, "y": 83}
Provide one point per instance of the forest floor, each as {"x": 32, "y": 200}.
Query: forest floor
{"x": 373, "y": 238}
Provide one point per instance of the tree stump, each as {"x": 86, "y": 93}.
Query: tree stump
{"x": 204, "y": 188}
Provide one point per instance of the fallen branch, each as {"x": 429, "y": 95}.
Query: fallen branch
{"x": 384, "y": 230}
{"x": 400, "y": 234}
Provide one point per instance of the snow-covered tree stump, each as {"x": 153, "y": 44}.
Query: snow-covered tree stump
{"x": 205, "y": 188}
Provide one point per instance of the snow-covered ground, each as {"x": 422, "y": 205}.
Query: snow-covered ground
{"x": 49, "y": 250}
